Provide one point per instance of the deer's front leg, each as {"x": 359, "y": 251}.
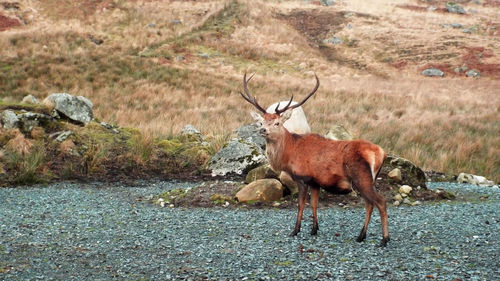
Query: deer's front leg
{"x": 302, "y": 203}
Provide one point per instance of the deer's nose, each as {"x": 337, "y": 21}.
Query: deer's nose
{"x": 262, "y": 131}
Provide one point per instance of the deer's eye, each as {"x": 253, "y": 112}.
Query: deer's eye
{"x": 276, "y": 124}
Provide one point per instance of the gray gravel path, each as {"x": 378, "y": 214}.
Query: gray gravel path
{"x": 69, "y": 231}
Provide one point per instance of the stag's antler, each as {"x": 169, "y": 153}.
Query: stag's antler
{"x": 249, "y": 98}
{"x": 287, "y": 107}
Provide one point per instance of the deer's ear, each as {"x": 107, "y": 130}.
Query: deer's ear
{"x": 257, "y": 117}
{"x": 286, "y": 115}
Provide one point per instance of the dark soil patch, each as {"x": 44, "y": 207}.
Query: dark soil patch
{"x": 217, "y": 193}
{"x": 315, "y": 25}
{"x": 6, "y": 22}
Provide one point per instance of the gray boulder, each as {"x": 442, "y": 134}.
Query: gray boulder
{"x": 250, "y": 133}
{"x": 9, "y": 119}
{"x": 472, "y": 73}
{"x": 433, "y": 72}
{"x": 454, "y": 8}
{"x": 411, "y": 174}
{"x": 77, "y": 109}
{"x": 191, "y": 133}
{"x": 236, "y": 157}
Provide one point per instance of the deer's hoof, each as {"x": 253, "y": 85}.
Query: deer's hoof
{"x": 384, "y": 241}
{"x": 361, "y": 238}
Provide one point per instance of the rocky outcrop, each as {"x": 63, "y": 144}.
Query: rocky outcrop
{"x": 411, "y": 174}
{"x": 250, "y": 133}
{"x": 454, "y": 8}
{"x": 236, "y": 157}
{"x": 261, "y": 172}
{"x": 9, "y": 119}
{"x": 76, "y": 109}
{"x": 264, "y": 190}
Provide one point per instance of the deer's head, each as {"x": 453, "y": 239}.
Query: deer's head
{"x": 272, "y": 123}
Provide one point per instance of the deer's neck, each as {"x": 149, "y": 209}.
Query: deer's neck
{"x": 276, "y": 151}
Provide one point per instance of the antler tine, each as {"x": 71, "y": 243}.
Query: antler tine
{"x": 249, "y": 98}
{"x": 308, "y": 96}
{"x": 279, "y": 111}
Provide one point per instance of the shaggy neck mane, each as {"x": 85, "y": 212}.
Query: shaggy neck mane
{"x": 275, "y": 150}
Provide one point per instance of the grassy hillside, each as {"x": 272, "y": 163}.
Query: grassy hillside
{"x": 158, "y": 65}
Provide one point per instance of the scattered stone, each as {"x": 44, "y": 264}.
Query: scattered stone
{"x": 9, "y": 119}
{"x": 176, "y": 21}
{"x": 110, "y": 127}
{"x": 472, "y": 73}
{"x": 180, "y": 58}
{"x": 474, "y": 179}
{"x": 333, "y": 40}
{"x": 348, "y": 26}
{"x": 190, "y": 131}
{"x": 236, "y": 157}
{"x": 405, "y": 189}
{"x": 466, "y": 30}
{"x": 416, "y": 203}
{"x": 265, "y": 190}
{"x": 151, "y": 25}
{"x": 395, "y": 175}
{"x": 77, "y": 109}
{"x": 396, "y": 203}
{"x": 261, "y": 172}
{"x": 431, "y": 8}
{"x": 338, "y": 132}
{"x": 411, "y": 174}
{"x": 398, "y": 197}
{"x": 327, "y": 3}
{"x": 406, "y": 201}
{"x": 433, "y": 72}
{"x": 454, "y": 8}
{"x": 30, "y": 99}
{"x": 456, "y": 25}
{"x": 61, "y": 136}
{"x": 204, "y": 55}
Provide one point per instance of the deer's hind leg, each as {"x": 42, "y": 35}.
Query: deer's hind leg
{"x": 364, "y": 183}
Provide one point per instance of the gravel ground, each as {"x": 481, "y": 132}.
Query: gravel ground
{"x": 68, "y": 231}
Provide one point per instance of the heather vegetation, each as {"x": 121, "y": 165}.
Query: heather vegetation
{"x": 159, "y": 65}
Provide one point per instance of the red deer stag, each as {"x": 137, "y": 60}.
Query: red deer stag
{"x": 316, "y": 162}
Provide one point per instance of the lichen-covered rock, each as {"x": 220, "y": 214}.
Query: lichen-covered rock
{"x": 29, "y": 120}
{"x": 9, "y": 119}
{"x": 250, "y": 133}
{"x": 261, "y": 172}
{"x": 236, "y": 157}
{"x": 264, "y": 190}
{"x": 405, "y": 189}
{"x": 189, "y": 131}
{"x": 411, "y": 174}
{"x": 77, "y": 109}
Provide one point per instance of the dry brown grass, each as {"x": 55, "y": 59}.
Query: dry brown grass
{"x": 371, "y": 84}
